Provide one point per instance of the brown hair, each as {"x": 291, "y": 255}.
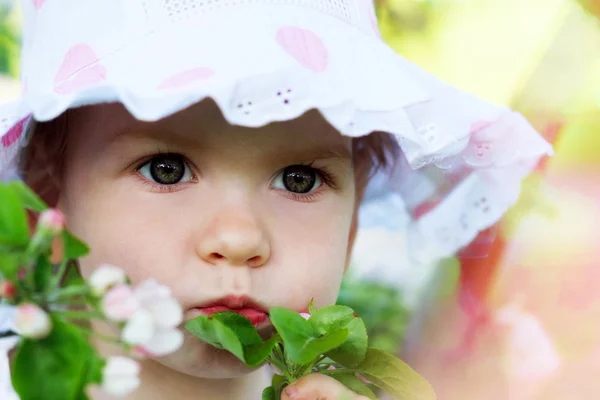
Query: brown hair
{"x": 41, "y": 163}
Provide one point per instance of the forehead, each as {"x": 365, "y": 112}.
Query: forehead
{"x": 201, "y": 125}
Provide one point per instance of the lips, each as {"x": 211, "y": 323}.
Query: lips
{"x": 244, "y": 306}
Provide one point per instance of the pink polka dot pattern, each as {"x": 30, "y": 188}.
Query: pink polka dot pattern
{"x": 80, "y": 69}
{"x": 305, "y": 46}
{"x": 14, "y": 133}
{"x": 38, "y": 4}
{"x": 186, "y": 77}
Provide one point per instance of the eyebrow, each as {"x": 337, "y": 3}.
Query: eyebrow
{"x": 147, "y": 132}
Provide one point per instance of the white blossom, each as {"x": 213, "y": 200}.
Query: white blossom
{"x": 139, "y": 329}
{"x": 105, "y": 278}
{"x": 120, "y": 376}
{"x": 120, "y": 304}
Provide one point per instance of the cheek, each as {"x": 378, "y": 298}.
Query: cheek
{"x": 127, "y": 230}
{"x": 310, "y": 254}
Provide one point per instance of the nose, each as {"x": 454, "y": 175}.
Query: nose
{"x": 234, "y": 237}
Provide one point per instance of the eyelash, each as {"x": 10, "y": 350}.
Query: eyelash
{"x": 325, "y": 174}
{"x": 327, "y": 178}
{"x": 156, "y": 187}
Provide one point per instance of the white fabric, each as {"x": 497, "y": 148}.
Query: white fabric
{"x": 6, "y": 344}
{"x": 271, "y": 60}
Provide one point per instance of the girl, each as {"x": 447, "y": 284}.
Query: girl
{"x": 225, "y": 147}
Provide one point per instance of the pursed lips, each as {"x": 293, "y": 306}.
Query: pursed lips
{"x": 242, "y": 305}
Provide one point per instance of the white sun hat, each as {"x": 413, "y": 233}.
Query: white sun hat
{"x": 272, "y": 60}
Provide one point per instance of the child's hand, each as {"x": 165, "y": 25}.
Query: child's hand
{"x": 319, "y": 387}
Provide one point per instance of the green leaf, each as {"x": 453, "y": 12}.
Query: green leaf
{"x": 229, "y": 340}
{"x": 353, "y": 383}
{"x": 273, "y": 392}
{"x": 73, "y": 248}
{"x": 302, "y": 343}
{"x": 56, "y": 367}
{"x": 258, "y": 353}
{"x": 240, "y": 325}
{"x": 269, "y": 393}
{"x": 10, "y": 244}
{"x": 29, "y": 199}
{"x": 278, "y": 383}
{"x": 43, "y": 273}
{"x": 395, "y": 377}
{"x": 278, "y": 380}
{"x": 203, "y": 328}
{"x": 93, "y": 373}
{"x": 9, "y": 265}
{"x": 13, "y": 219}
{"x": 354, "y": 349}
{"x": 234, "y": 333}
{"x": 327, "y": 318}
{"x": 72, "y": 277}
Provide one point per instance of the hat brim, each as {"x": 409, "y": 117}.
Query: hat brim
{"x": 272, "y": 63}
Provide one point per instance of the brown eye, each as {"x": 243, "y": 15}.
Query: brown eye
{"x": 167, "y": 169}
{"x": 298, "y": 179}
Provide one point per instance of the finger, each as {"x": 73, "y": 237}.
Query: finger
{"x": 319, "y": 387}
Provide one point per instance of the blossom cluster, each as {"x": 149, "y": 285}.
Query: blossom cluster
{"x": 146, "y": 315}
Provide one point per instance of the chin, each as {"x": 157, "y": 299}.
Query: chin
{"x": 201, "y": 360}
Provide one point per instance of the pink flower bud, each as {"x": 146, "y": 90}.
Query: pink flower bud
{"x": 53, "y": 221}
{"x": 105, "y": 278}
{"x": 305, "y": 316}
{"x": 120, "y": 376}
{"x": 120, "y": 304}
{"x": 7, "y": 290}
{"x": 31, "y": 321}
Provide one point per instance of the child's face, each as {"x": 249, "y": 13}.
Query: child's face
{"x": 221, "y": 216}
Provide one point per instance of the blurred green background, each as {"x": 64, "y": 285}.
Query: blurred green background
{"x": 9, "y": 39}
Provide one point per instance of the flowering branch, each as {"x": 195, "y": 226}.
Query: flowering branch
{"x": 330, "y": 341}
{"x": 55, "y": 357}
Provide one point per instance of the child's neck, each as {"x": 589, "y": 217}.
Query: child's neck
{"x": 159, "y": 382}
